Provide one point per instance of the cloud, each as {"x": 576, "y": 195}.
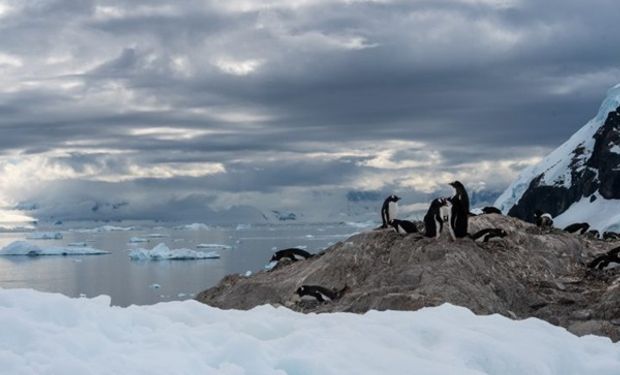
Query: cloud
{"x": 260, "y": 100}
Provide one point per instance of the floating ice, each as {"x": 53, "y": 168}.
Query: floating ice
{"x": 77, "y": 244}
{"x": 194, "y": 226}
{"x": 243, "y": 227}
{"x": 156, "y": 235}
{"x": 26, "y": 248}
{"x": 105, "y": 228}
{"x": 138, "y": 240}
{"x": 212, "y": 246}
{"x": 54, "y": 334}
{"x": 44, "y": 236}
{"x": 162, "y": 252}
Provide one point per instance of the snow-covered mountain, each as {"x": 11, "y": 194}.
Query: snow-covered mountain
{"x": 580, "y": 180}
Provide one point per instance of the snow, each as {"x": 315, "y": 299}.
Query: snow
{"x": 44, "y": 236}
{"x": 602, "y": 214}
{"x": 26, "y": 248}
{"x": 194, "y": 226}
{"x": 46, "y": 333}
{"x": 213, "y": 246}
{"x": 162, "y": 252}
{"x": 555, "y": 166}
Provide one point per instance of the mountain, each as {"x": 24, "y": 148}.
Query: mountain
{"x": 580, "y": 180}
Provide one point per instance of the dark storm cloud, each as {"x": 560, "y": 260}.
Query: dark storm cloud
{"x": 263, "y": 87}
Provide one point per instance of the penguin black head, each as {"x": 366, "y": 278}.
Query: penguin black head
{"x": 457, "y": 185}
{"x": 394, "y": 198}
{"x": 300, "y": 291}
{"x": 538, "y": 213}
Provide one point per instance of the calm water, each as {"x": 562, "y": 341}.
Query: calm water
{"x": 130, "y": 282}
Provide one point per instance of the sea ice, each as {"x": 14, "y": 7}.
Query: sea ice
{"x": 162, "y": 252}
{"x": 26, "y": 248}
{"x": 44, "y": 236}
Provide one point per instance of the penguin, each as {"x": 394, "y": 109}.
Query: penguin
{"x": 488, "y": 234}
{"x": 579, "y": 228}
{"x": 318, "y": 293}
{"x": 610, "y": 236}
{"x": 609, "y": 259}
{"x": 460, "y": 210}
{"x": 292, "y": 254}
{"x": 543, "y": 220}
{"x": 389, "y": 210}
{"x": 404, "y": 226}
{"x": 491, "y": 210}
{"x": 439, "y": 212}
{"x": 594, "y": 234}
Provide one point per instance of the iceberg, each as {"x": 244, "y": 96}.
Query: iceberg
{"x": 447, "y": 339}
{"x": 163, "y": 252}
{"x": 194, "y": 226}
{"x": 44, "y": 236}
{"x": 26, "y": 248}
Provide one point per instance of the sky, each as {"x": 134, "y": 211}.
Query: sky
{"x": 176, "y": 110}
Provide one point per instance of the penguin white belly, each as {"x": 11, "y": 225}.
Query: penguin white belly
{"x": 612, "y": 265}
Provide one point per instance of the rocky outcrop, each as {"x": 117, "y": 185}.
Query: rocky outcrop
{"x": 526, "y": 274}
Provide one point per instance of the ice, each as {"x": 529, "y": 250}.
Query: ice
{"x": 52, "y": 334}
{"x": 243, "y": 227}
{"x": 162, "y": 252}
{"x": 26, "y": 248}
{"x": 247, "y": 273}
{"x": 138, "y": 240}
{"x": 154, "y": 286}
{"x": 194, "y": 226}
{"x": 156, "y": 235}
{"x": 269, "y": 266}
{"x": 106, "y": 228}
{"x": 77, "y": 244}
{"x": 362, "y": 225}
{"x": 213, "y": 246}
{"x": 44, "y": 236}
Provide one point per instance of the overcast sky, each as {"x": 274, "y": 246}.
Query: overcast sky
{"x": 279, "y": 103}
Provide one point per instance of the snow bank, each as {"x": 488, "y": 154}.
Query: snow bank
{"x": 44, "y": 236}
{"x": 52, "y": 334}
{"x": 162, "y": 252}
{"x": 26, "y": 248}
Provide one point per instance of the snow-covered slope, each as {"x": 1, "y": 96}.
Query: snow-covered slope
{"x": 51, "y": 334}
{"x": 584, "y": 167}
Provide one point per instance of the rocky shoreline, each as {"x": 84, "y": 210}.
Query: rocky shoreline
{"x": 526, "y": 274}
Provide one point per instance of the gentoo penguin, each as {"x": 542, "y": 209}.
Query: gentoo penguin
{"x": 488, "y": 234}
{"x": 491, "y": 210}
{"x": 609, "y": 259}
{"x": 460, "y": 210}
{"x": 404, "y": 226}
{"x": 389, "y": 210}
{"x": 610, "y": 236}
{"x": 438, "y": 213}
{"x": 292, "y": 254}
{"x": 543, "y": 220}
{"x": 579, "y": 228}
{"x": 594, "y": 234}
{"x": 318, "y": 293}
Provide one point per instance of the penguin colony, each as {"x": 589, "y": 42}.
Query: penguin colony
{"x": 448, "y": 214}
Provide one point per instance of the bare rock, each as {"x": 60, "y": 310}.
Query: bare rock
{"x": 526, "y": 274}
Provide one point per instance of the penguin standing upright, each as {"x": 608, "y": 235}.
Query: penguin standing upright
{"x": 389, "y": 210}
{"x": 460, "y": 210}
{"x": 436, "y": 216}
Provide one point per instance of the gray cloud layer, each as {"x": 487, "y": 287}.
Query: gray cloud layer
{"x": 327, "y": 95}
